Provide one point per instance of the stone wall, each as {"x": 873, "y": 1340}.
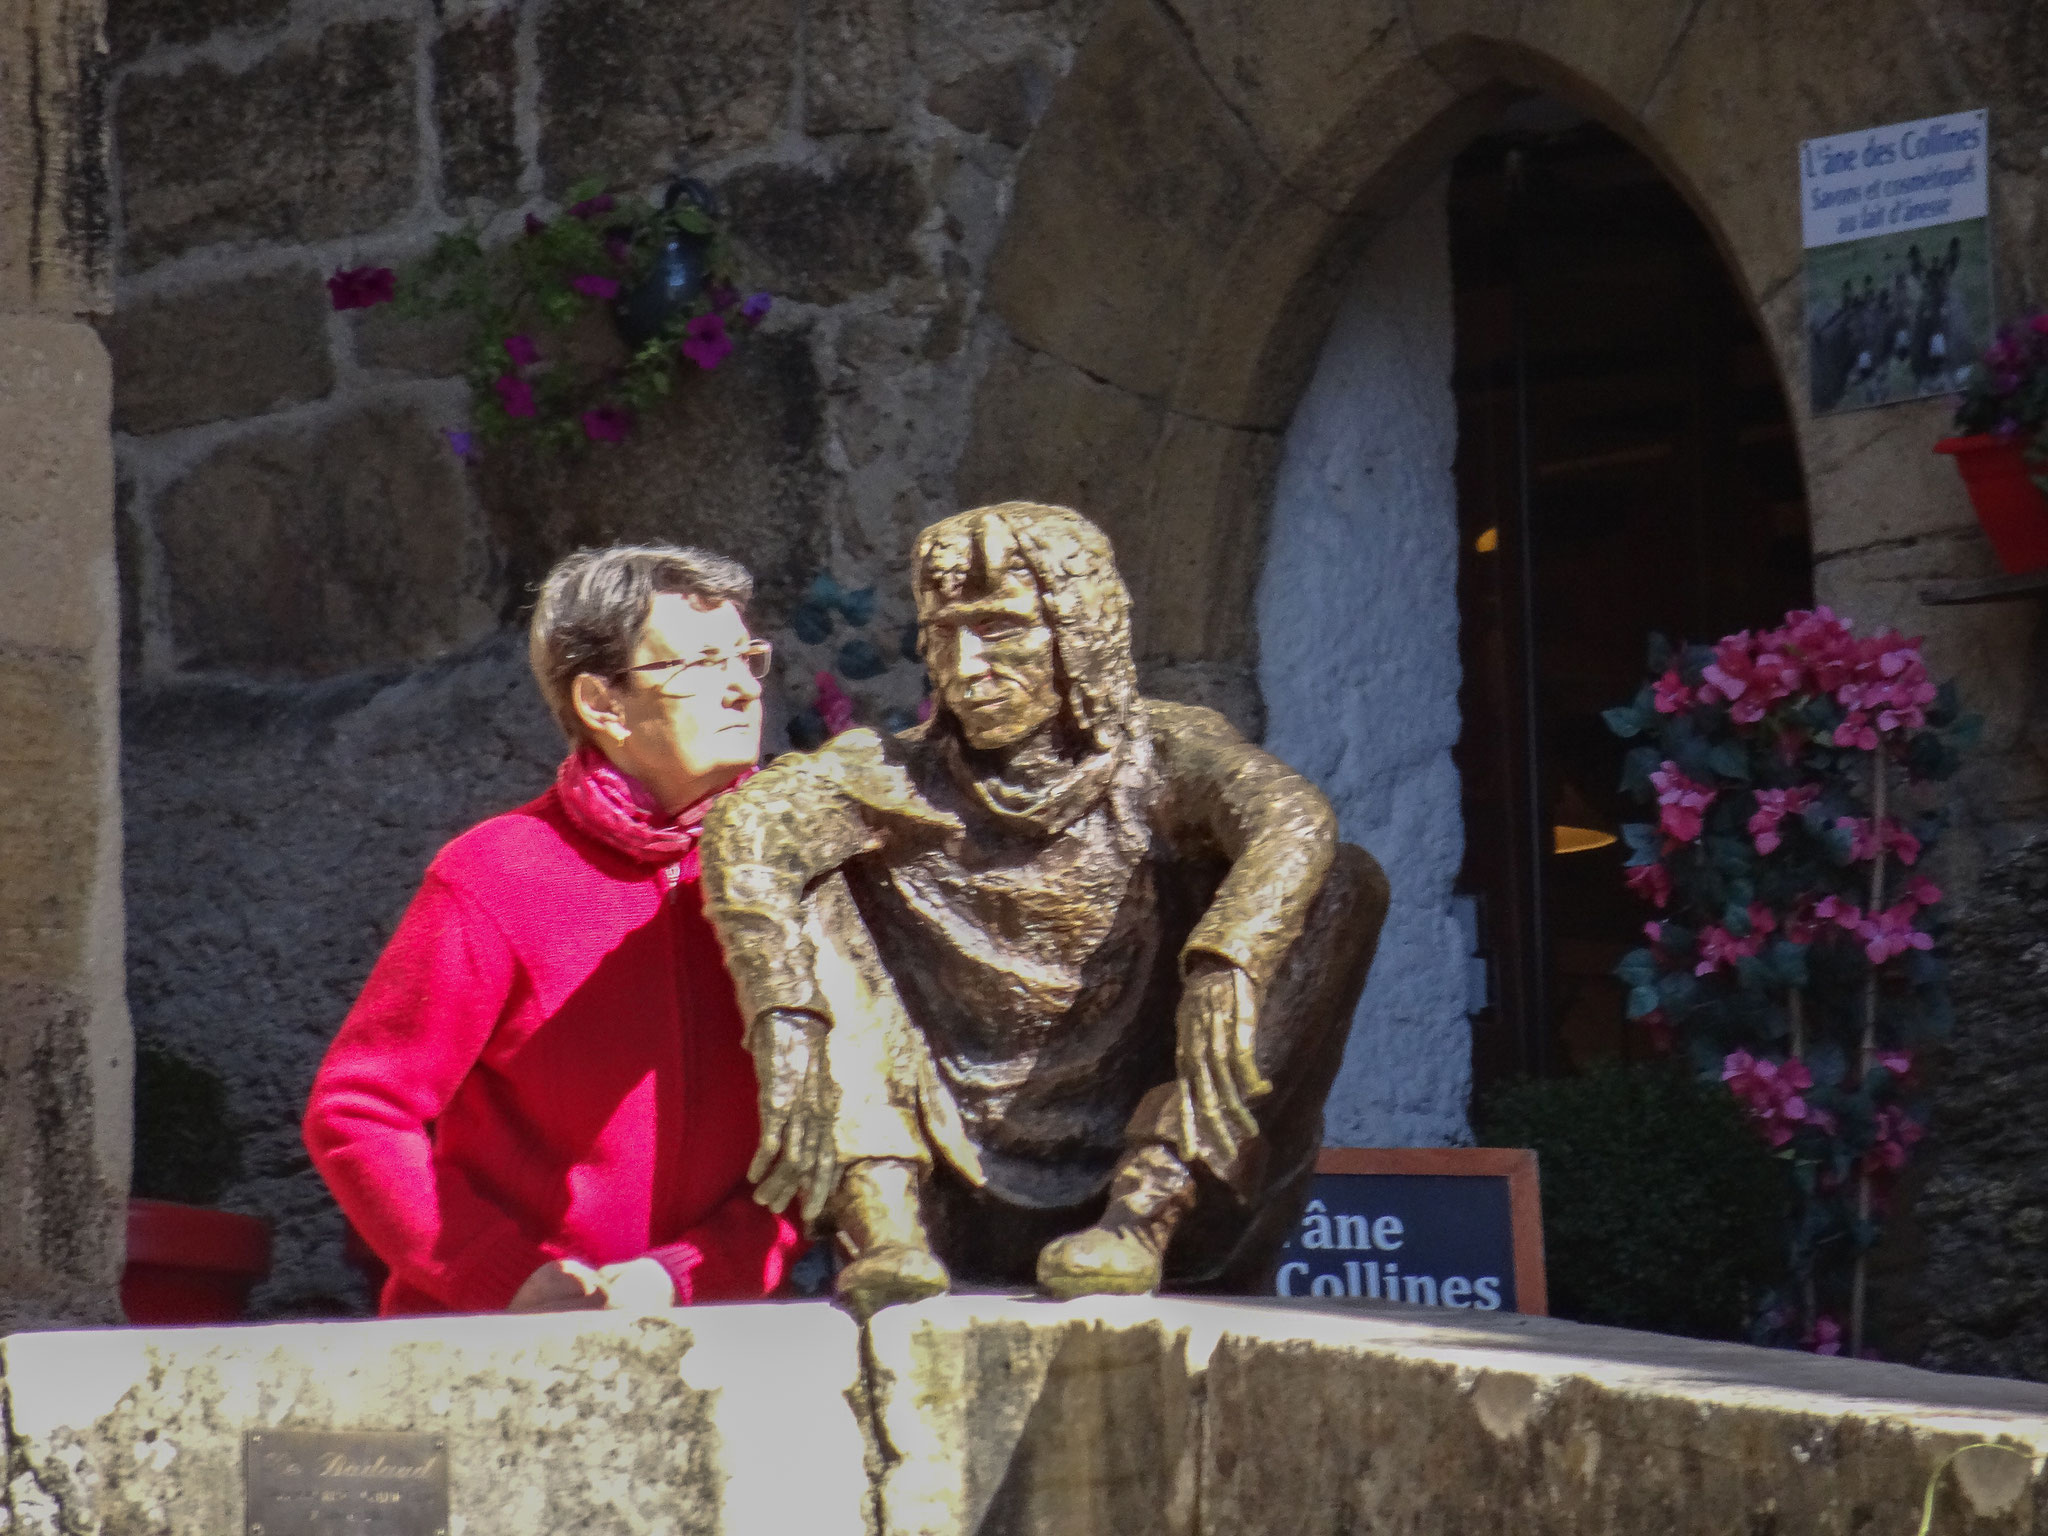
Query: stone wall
{"x": 978, "y": 1416}
{"x": 1087, "y": 250}
{"x": 64, "y": 1043}
{"x": 321, "y": 688}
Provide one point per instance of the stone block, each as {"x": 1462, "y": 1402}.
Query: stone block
{"x": 237, "y": 348}
{"x": 136, "y": 26}
{"x": 1002, "y": 1415}
{"x": 732, "y": 461}
{"x": 315, "y": 141}
{"x": 1381, "y": 1421}
{"x": 1983, "y": 1210}
{"x": 725, "y": 1421}
{"x": 1136, "y": 182}
{"x": 633, "y": 89}
{"x": 1045, "y": 431}
{"x": 1202, "y": 542}
{"x": 1739, "y": 92}
{"x": 304, "y": 553}
{"x": 476, "y": 81}
{"x": 1004, "y": 101}
{"x": 57, "y": 495}
{"x": 820, "y": 239}
{"x": 64, "y": 1046}
{"x": 856, "y": 63}
{"x": 55, "y": 209}
{"x": 430, "y": 346}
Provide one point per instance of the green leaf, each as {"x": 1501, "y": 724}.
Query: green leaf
{"x": 1643, "y": 1001}
{"x": 1730, "y": 761}
{"x": 1624, "y": 720}
{"x": 1638, "y": 968}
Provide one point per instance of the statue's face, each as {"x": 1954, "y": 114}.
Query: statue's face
{"x": 992, "y": 662}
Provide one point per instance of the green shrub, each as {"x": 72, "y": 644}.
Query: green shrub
{"x": 1662, "y": 1209}
{"x": 185, "y": 1148}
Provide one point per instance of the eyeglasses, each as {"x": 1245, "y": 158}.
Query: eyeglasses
{"x": 756, "y": 658}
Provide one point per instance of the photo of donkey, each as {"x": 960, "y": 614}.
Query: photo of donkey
{"x": 1896, "y": 317}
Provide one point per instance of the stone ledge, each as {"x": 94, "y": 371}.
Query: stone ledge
{"x": 992, "y": 1414}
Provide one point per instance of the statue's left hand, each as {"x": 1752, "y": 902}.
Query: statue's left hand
{"x": 797, "y": 1154}
{"x": 1219, "y": 1074}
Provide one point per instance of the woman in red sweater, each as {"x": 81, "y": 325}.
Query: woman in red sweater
{"x": 541, "y": 1100}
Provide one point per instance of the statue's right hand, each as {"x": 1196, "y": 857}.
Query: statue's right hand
{"x": 798, "y": 1154}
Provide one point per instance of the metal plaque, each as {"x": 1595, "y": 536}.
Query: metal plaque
{"x": 344, "y": 1483}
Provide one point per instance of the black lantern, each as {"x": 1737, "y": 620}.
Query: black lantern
{"x": 673, "y": 282}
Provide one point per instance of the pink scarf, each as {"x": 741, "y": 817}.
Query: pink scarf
{"x": 618, "y": 810}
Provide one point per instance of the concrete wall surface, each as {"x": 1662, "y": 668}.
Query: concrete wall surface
{"x": 993, "y": 1414}
{"x": 65, "y": 1049}
{"x": 1357, "y": 611}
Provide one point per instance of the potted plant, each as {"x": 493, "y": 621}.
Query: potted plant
{"x": 187, "y": 1263}
{"x": 1790, "y": 954}
{"x": 663, "y": 272}
{"x": 2000, "y": 420}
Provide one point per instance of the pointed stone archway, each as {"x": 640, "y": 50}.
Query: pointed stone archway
{"x": 1208, "y": 173}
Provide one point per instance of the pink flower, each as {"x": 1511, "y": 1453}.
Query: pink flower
{"x": 1654, "y": 932}
{"x": 1826, "y": 1338}
{"x": 522, "y": 351}
{"x": 607, "y": 424}
{"x": 591, "y": 207}
{"x": 834, "y": 707}
{"x": 1771, "y": 1092}
{"x": 362, "y": 287}
{"x": 1719, "y": 947}
{"x": 1683, "y": 802}
{"x": 1652, "y": 882}
{"x": 1773, "y": 806}
{"x": 515, "y": 394}
{"x": 1922, "y": 892}
{"x": 1895, "y": 1133}
{"x": 705, "y": 341}
{"x": 1891, "y": 932}
{"x": 591, "y": 286}
{"x": 1673, "y": 697}
{"x": 1845, "y": 915}
{"x": 755, "y": 310}
{"x": 1896, "y": 1062}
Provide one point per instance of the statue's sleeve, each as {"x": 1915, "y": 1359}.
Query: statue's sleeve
{"x": 1274, "y": 828}
{"x": 764, "y": 843}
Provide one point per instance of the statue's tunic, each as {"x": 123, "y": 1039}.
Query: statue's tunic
{"x": 1038, "y": 963}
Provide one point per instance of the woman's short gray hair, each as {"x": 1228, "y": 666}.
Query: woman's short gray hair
{"x": 595, "y": 603}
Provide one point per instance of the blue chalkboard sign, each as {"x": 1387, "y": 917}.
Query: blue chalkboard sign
{"x": 1455, "y": 1227}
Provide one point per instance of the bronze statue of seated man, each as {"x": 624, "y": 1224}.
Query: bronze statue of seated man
{"x": 1055, "y": 984}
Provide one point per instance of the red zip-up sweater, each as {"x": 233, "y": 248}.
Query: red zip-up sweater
{"x": 546, "y": 1063}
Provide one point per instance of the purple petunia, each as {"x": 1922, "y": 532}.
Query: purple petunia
{"x": 522, "y": 351}
{"x": 591, "y": 286}
{"x": 516, "y": 395}
{"x": 607, "y": 424}
{"x": 362, "y": 287}
{"x": 535, "y": 223}
{"x": 461, "y": 444}
{"x": 591, "y": 207}
{"x": 705, "y": 341}
{"x": 755, "y": 310}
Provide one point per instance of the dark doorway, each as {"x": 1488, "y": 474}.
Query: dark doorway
{"x": 1625, "y": 464}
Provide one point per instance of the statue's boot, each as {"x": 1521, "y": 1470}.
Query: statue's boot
{"x": 878, "y": 1211}
{"x": 1124, "y": 1253}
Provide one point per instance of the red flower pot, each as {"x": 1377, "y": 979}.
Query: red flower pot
{"x": 188, "y": 1264}
{"x": 2011, "y": 507}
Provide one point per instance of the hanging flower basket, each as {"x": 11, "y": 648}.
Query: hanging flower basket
{"x": 190, "y": 1264}
{"x": 2010, "y": 505}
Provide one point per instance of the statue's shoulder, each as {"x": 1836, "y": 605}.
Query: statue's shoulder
{"x": 1188, "y": 727}
{"x": 861, "y": 765}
